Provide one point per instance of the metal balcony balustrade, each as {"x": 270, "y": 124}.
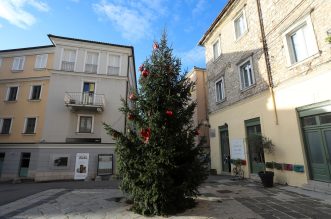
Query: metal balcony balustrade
{"x": 67, "y": 66}
{"x": 90, "y": 68}
{"x": 84, "y": 101}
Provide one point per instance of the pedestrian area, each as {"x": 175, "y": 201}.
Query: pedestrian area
{"x": 221, "y": 197}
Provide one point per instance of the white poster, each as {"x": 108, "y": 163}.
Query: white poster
{"x": 81, "y": 167}
{"x": 237, "y": 149}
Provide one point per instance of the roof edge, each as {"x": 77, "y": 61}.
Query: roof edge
{"x": 87, "y": 41}
{"x": 218, "y": 18}
{"x": 27, "y": 48}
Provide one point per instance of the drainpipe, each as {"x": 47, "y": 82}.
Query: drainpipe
{"x": 267, "y": 60}
{"x": 126, "y": 91}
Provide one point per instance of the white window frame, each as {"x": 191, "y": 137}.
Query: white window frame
{"x": 223, "y": 90}
{"x": 41, "y": 61}
{"x": 98, "y": 62}
{"x": 1, "y": 125}
{"x": 250, "y": 59}
{"x": 241, "y": 13}
{"x": 288, "y": 45}
{"x": 108, "y": 63}
{"x": 78, "y": 123}
{"x": 8, "y": 91}
{"x": 31, "y": 90}
{"x": 62, "y": 56}
{"x": 218, "y": 40}
{"x": 15, "y": 63}
{"x": 26, "y": 122}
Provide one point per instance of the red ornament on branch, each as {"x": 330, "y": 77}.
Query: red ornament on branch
{"x": 145, "y": 133}
{"x": 145, "y": 72}
{"x": 133, "y": 97}
{"x": 197, "y": 132}
{"x": 141, "y": 68}
{"x": 155, "y": 45}
{"x": 169, "y": 113}
{"x": 131, "y": 116}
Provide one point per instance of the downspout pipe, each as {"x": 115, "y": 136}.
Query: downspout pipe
{"x": 267, "y": 60}
{"x": 127, "y": 91}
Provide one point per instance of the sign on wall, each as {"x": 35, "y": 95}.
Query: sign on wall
{"x": 105, "y": 164}
{"x": 237, "y": 149}
{"x": 81, "y": 167}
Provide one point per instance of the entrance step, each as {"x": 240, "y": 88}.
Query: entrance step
{"x": 317, "y": 186}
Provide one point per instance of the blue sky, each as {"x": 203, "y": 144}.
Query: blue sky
{"x": 26, "y": 23}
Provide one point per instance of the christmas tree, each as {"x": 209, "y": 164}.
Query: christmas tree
{"x": 159, "y": 164}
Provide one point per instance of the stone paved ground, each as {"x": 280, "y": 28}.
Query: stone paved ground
{"x": 221, "y": 197}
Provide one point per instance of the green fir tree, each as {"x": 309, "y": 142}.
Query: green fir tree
{"x": 159, "y": 164}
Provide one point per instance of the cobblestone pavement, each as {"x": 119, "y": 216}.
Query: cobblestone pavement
{"x": 221, "y": 197}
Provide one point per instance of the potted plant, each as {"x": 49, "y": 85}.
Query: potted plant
{"x": 266, "y": 146}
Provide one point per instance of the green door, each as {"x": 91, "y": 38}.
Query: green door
{"x": 256, "y": 153}
{"x": 24, "y": 166}
{"x": 225, "y": 149}
{"x": 317, "y": 135}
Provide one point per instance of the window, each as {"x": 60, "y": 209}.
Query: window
{"x": 68, "y": 60}
{"x": 91, "y": 64}
{"x": 85, "y": 124}
{"x": 113, "y": 65}
{"x": 5, "y": 125}
{"x": 18, "y": 63}
{"x": 12, "y": 93}
{"x": 240, "y": 25}
{"x": 220, "y": 95}
{"x": 246, "y": 74}
{"x": 300, "y": 41}
{"x": 41, "y": 61}
{"x": 216, "y": 49}
{"x": 35, "y": 92}
{"x": 30, "y": 126}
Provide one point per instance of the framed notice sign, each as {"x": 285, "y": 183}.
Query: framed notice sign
{"x": 81, "y": 167}
{"x": 105, "y": 164}
{"x": 237, "y": 149}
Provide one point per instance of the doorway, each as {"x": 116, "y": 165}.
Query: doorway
{"x": 2, "y": 158}
{"x": 225, "y": 148}
{"x": 317, "y": 137}
{"x": 88, "y": 93}
{"x": 256, "y": 153}
{"x": 24, "y": 165}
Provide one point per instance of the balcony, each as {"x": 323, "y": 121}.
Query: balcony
{"x": 90, "y": 68}
{"x": 84, "y": 101}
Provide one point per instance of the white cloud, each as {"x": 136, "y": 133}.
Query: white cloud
{"x": 199, "y": 7}
{"x": 134, "y": 19}
{"x": 193, "y": 57}
{"x": 14, "y": 11}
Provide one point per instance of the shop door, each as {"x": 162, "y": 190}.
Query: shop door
{"x": 24, "y": 166}
{"x": 256, "y": 153}
{"x": 317, "y": 133}
{"x": 225, "y": 149}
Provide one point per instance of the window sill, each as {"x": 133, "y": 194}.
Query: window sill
{"x": 221, "y": 101}
{"x": 40, "y": 69}
{"x": 296, "y": 64}
{"x": 240, "y": 37}
{"x": 10, "y": 101}
{"x": 34, "y": 100}
{"x": 28, "y": 134}
{"x": 79, "y": 133}
{"x": 16, "y": 71}
{"x": 247, "y": 88}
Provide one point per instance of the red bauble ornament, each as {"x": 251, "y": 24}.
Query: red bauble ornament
{"x": 141, "y": 68}
{"x": 155, "y": 45}
{"x": 197, "y": 132}
{"x": 133, "y": 97}
{"x": 145, "y": 72}
{"x": 131, "y": 116}
{"x": 145, "y": 133}
{"x": 169, "y": 113}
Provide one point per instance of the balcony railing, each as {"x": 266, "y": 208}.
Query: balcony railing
{"x": 84, "y": 100}
{"x": 90, "y": 68}
{"x": 67, "y": 66}
{"x": 111, "y": 70}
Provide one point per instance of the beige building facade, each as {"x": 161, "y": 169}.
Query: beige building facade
{"x": 268, "y": 67}
{"x": 54, "y": 101}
